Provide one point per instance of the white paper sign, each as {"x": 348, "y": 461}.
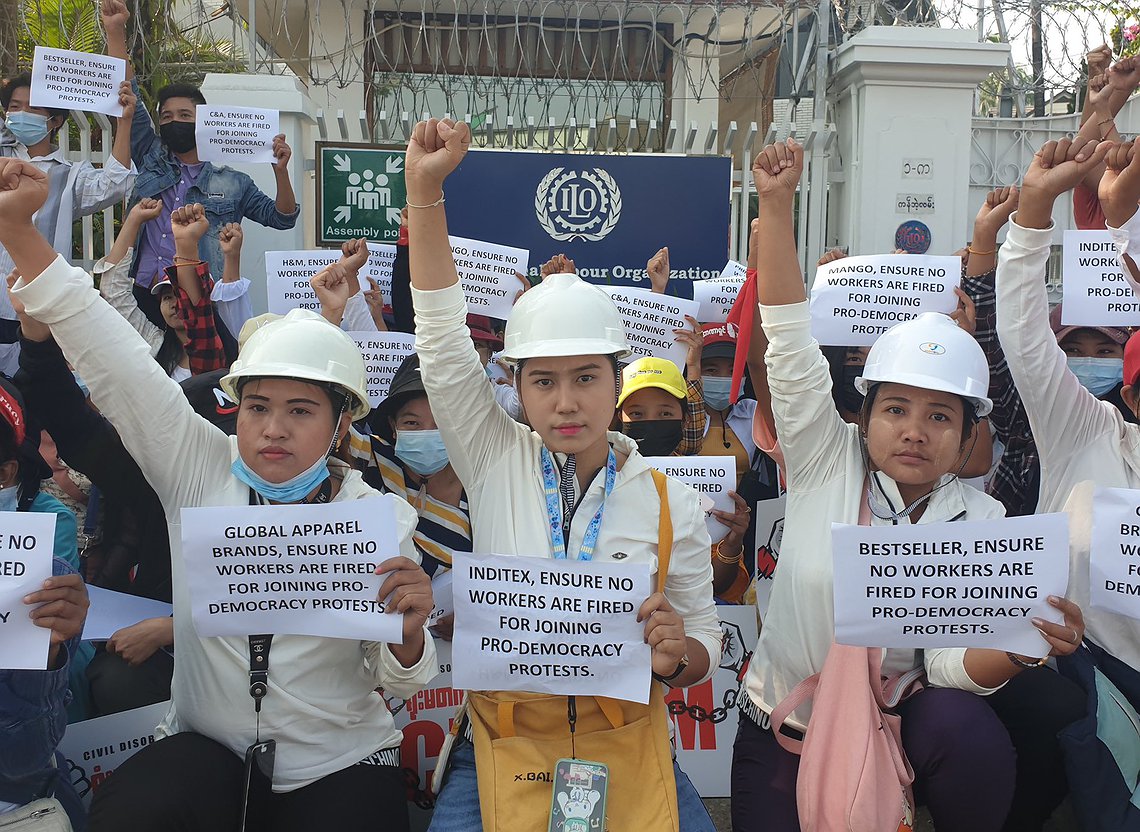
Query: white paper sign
{"x": 650, "y": 320}
{"x": 62, "y": 79}
{"x": 706, "y": 730}
{"x": 287, "y": 275}
{"x": 1096, "y": 292}
{"x": 27, "y": 541}
{"x": 563, "y": 627}
{"x": 96, "y": 747}
{"x": 381, "y": 256}
{"x": 710, "y": 476}
{"x": 854, "y": 300}
{"x": 303, "y": 570}
{"x": 236, "y": 134}
{"x": 383, "y": 352}
{"x": 443, "y": 593}
{"x": 488, "y": 274}
{"x": 769, "y": 538}
{"x": 1114, "y": 559}
{"x": 111, "y": 611}
{"x": 716, "y": 296}
{"x": 969, "y": 584}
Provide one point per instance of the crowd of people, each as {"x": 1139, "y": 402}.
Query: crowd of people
{"x": 149, "y": 386}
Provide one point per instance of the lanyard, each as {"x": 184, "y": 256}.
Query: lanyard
{"x": 559, "y": 528}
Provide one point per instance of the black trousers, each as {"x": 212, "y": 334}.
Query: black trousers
{"x": 116, "y": 686}
{"x": 189, "y": 783}
{"x": 1035, "y": 706}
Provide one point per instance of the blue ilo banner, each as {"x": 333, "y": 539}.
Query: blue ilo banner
{"x": 609, "y": 214}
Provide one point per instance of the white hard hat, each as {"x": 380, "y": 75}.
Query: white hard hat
{"x": 564, "y": 315}
{"x": 304, "y": 346}
{"x": 932, "y": 352}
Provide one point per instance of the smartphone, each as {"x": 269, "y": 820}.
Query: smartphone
{"x": 257, "y": 786}
{"x": 578, "y": 803}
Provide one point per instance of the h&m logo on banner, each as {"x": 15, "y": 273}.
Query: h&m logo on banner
{"x": 577, "y": 205}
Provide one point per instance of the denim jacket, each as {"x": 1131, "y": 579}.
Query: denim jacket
{"x": 33, "y": 716}
{"x": 227, "y": 195}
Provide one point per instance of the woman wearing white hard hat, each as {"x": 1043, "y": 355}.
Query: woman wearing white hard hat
{"x": 564, "y": 487}
{"x": 299, "y": 381}
{"x": 925, "y": 383}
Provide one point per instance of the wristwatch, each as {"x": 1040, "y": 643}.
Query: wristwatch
{"x": 681, "y": 665}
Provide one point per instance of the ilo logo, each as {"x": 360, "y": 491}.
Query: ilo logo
{"x": 577, "y": 205}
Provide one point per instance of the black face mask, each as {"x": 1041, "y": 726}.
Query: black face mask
{"x": 850, "y": 398}
{"x": 178, "y": 136}
{"x": 658, "y": 437}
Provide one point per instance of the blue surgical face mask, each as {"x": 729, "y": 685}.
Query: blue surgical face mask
{"x": 28, "y": 128}
{"x": 1099, "y": 376}
{"x": 718, "y": 391}
{"x": 9, "y": 497}
{"x": 292, "y": 490}
{"x": 421, "y": 450}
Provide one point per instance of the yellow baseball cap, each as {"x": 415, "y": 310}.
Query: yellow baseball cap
{"x": 652, "y": 372}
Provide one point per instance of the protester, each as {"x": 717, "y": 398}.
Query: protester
{"x": 1109, "y": 86}
{"x": 662, "y": 413}
{"x": 564, "y": 339}
{"x": 299, "y": 382}
{"x": 231, "y": 294}
{"x": 33, "y": 710}
{"x": 170, "y": 171}
{"x": 77, "y": 190}
{"x": 901, "y": 459}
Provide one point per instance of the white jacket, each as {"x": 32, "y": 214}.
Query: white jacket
{"x": 826, "y": 476}
{"x": 497, "y": 460}
{"x": 321, "y": 707}
{"x": 1079, "y": 438}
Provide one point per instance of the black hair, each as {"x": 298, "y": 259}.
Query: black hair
{"x": 836, "y": 361}
{"x": 180, "y": 91}
{"x": 27, "y": 469}
{"x": 969, "y": 413}
{"x": 24, "y": 79}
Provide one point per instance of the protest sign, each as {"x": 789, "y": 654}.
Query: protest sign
{"x": 27, "y": 541}
{"x": 650, "y": 320}
{"x": 705, "y": 715}
{"x": 1095, "y": 292}
{"x": 62, "y": 79}
{"x": 383, "y": 352}
{"x": 854, "y": 300}
{"x": 287, "y": 275}
{"x": 488, "y": 274}
{"x": 381, "y": 256}
{"x": 96, "y": 747}
{"x": 236, "y": 134}
{"x": 1114, "y": 559}
{"x": 303, "y": 569}
{"x": 443, "y": 593}
{"x": 975, "y": 584}
{"x": 111, "y": 611}
{"x": 709, "y": 476}
{"x": 550, "y": 626}
{"x": 769, "y": 516}
{"x": 716, "y": 296}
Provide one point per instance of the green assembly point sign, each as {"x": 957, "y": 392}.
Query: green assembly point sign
{"x": 360, "y": 191}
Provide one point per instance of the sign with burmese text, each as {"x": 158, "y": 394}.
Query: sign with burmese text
{"x": 306, "y": 570}
{"x": 965, "y": 584}
{"x": 564, "y": 627}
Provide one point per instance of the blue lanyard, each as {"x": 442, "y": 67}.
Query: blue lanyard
{"x": 554, "y": 508}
